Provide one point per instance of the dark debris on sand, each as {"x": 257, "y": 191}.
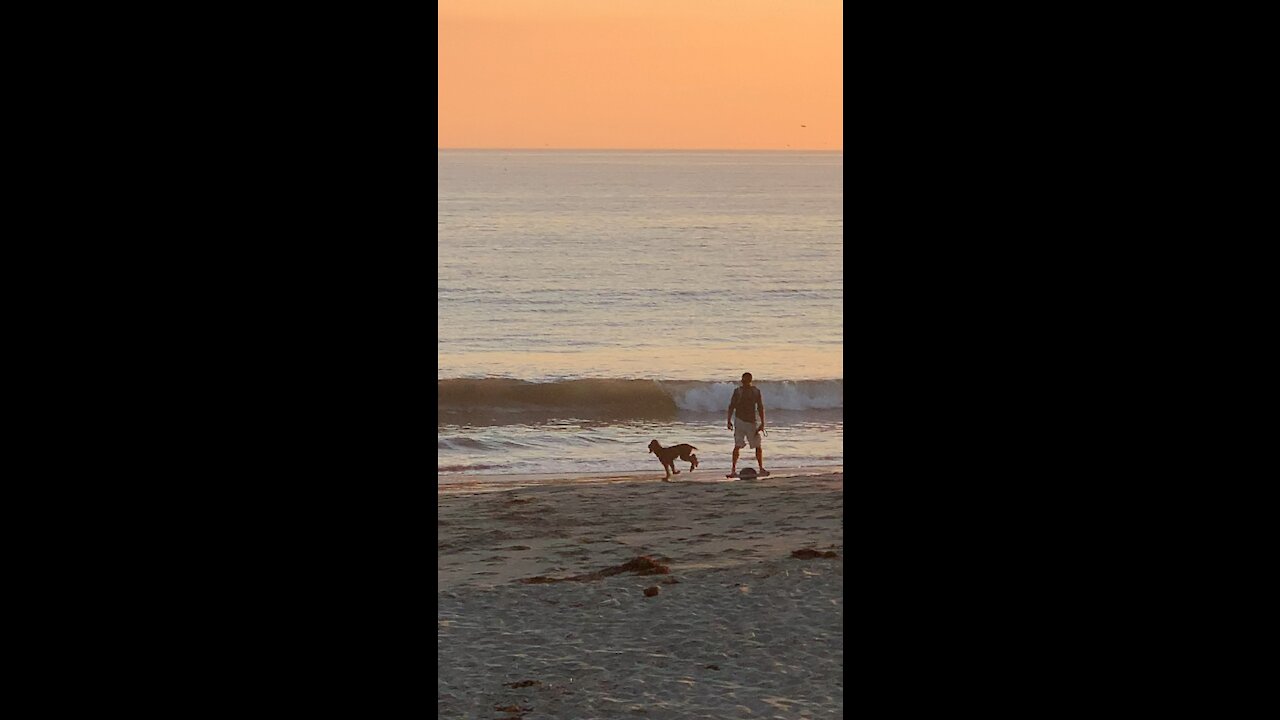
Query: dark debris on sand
{"x": 643, "y": 565}
{"x": 807, "y": 554}
{"x": 523, "y": 683}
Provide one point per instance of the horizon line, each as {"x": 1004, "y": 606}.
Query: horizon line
{"x": 608, "y": 149}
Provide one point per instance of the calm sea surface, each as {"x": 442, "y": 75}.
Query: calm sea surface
{"x": 589, "y": 302}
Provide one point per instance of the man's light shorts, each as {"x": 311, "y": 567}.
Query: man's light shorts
{"x": 744, "y": 432}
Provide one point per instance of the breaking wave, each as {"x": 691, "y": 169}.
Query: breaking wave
{"x": 783, "y": 395}
{"x": 502, "y": 399}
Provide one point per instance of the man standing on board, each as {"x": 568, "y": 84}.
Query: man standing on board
{"x": 746, "y": 399}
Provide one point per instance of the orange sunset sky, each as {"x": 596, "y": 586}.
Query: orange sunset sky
{"x": 635, "y": 74}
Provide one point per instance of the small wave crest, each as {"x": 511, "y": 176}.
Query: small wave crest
{"x": 466, "y": 468}
{"x": 460, "y": 443}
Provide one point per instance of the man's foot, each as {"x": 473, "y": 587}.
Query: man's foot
{"x": 732, "y": 475}
{"x": 762, "y": 472}
{"x": 666, "y": 479}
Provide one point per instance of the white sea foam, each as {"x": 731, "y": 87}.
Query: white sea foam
{"x": 786, "y": 395}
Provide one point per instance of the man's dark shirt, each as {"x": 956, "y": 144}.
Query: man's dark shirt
{"x": 745, "y": 403}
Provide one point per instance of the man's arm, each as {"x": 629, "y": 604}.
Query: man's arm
{"x": 760, "y": 404}
{"x": 732, "y": 402}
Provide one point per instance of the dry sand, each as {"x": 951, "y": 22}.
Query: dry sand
{"x": 739, "y": 627}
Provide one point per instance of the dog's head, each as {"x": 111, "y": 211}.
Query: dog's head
{"x": 654, "y": 446}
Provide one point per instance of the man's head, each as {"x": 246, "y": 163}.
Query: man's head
{"x": 746, "y": 379}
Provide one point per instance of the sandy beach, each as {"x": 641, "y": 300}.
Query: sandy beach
{"x": 625, "y": 596}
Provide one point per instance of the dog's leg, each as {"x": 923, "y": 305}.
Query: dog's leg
{"x": 692, "y": 459}
{"x": 670, "y": 462}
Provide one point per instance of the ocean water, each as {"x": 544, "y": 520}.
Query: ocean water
{"x": 589, "y": 302}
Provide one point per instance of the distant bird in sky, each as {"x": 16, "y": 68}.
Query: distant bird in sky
{"x": 804, "y": 126}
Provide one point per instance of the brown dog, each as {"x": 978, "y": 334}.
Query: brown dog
{"x": 668, "y": 456}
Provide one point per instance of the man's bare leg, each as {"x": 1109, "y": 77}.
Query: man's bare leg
{"x": 734, "y": 470}
{"x": 760, "y": 457}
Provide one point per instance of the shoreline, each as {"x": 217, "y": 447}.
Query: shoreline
{"x": 448, "y": 484}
